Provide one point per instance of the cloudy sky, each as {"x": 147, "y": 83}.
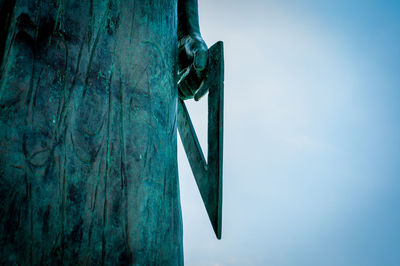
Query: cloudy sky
{"x": 312, "y": 135}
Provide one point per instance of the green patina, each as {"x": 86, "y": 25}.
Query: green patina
{"x": 88, "y": 119}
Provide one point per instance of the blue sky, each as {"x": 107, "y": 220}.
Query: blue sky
{"x": 312, "y": 135}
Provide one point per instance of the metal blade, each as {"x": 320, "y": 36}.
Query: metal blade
{"x": 208, "y": 175}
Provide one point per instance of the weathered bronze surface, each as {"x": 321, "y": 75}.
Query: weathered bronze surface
{"x": 208, "y": 174}
{"x": 88, "y": 118}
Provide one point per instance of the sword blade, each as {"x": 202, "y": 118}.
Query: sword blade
{"x": 208, "y": 175}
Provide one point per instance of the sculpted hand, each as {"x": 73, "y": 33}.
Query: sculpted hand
{"x": 192, "y": 62}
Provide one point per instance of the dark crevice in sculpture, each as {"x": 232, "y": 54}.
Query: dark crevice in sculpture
{"x": 6, "y": 13}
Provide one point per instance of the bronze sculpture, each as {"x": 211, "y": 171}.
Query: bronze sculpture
{"x": 88, "y": 119}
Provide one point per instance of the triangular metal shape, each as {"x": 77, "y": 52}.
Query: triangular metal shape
{"x": 208, "y": 174}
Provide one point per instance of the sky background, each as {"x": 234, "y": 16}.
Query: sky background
{"x": 312, "y": 135}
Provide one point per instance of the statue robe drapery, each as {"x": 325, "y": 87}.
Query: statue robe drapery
{"x": 88, "y": 168}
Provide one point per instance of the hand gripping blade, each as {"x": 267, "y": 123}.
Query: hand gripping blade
{"x": 208, "y": 175}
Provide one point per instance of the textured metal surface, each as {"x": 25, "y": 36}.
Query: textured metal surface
{"x": 88, "y": 167}
{"x": 208, "y": 175}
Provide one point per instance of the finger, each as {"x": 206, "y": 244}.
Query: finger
{"x": 201, "y": 91}
{"x": 200, "y": 59}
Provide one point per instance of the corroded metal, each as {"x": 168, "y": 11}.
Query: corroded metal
{"x": 208, "y": 174}
{"x": 88, "y": 126}
{"x": 88, "y": 167}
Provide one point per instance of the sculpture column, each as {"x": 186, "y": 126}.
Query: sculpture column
{"x": 88, "y": 101}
